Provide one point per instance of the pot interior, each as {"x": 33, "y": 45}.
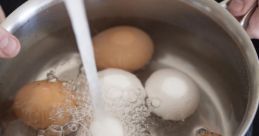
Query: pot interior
{"x": 185, "y": 39}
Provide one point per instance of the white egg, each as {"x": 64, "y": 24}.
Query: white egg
{"x": 173, "y": 94}
{"x": 106, "y": 126}
{"x": 125, "y": 99}
{"x": 119, "y": 84}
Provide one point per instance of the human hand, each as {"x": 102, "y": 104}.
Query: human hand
{"x": 239, "y": 8}
{"x": 9, "y": 44}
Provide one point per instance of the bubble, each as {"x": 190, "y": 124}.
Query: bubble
{"x": 155, "y": 103}
{"x": 132, "y": 95}
{"x": 201, "y": 132}
{"x": 51, "y": 76}
{"x": 206, "y": 132}
{"x": 73, "y": 127}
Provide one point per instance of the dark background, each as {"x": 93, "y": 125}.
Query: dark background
{"x": 10, "y": 5}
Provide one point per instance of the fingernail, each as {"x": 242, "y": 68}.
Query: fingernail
{"x": 4, "y": 42}
{"x": 8, "y": 46}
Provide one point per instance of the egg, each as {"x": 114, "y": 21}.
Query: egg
{"x": 120, "y": 84}
{"x": 173, "y": 94}
{"x": 123, "y": 47}
{"x": 125, "y": 99}
{"x": 42, "y": 103}
{"x": 107, "y": 126}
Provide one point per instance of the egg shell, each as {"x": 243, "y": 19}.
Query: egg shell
{"x": 124, "y": 47}
{"x": 107, "y": 126}
{"x": 173, "y": 94}
{"x": 38, "y": 103}
{"x": 116, "y": 83}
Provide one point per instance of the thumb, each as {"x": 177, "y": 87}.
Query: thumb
{"x": 240, "y": 7}
{"x": 9, "y": 45}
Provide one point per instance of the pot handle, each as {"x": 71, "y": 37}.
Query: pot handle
{"x": 245, "y": 19}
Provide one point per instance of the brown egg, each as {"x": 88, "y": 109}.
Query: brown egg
{"x": 123, "y": 47}
{"x": 42, "y": 103}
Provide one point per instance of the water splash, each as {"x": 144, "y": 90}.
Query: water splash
{"x": 131, "y": 109}
{"x": 81, "y": 114}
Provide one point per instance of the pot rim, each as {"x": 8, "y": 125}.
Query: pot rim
{"x": 30, "y": 8}
{"x": 237, "y": 32}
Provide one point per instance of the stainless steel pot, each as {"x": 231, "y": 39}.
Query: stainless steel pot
{"x": 197, "y": 37}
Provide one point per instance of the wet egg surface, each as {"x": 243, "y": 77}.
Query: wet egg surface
{"x": 124, "y": 47}
{"x": 173, "y": 95}
{"x": 42, "y": 103}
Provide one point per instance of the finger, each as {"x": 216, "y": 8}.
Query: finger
{"x": 240, "y": 7}
{"x": 2, "y": 15}
{"x": 253, "y": 27}
{"x": 9, "y": 45}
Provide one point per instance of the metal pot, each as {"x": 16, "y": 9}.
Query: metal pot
{"x": 197, "y": 37}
